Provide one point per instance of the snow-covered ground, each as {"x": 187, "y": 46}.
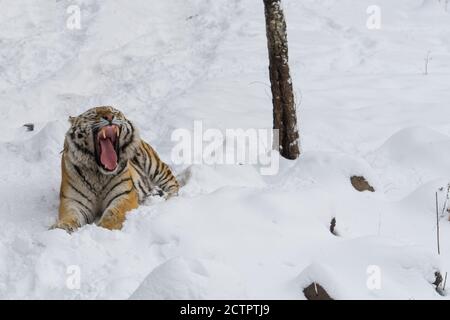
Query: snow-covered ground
{"x": 365, "y": 108}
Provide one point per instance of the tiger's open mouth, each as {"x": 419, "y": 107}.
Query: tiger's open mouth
{"x": 107, "y": 147}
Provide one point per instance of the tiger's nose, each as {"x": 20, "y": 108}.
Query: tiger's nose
{"x": 108, "y": 117}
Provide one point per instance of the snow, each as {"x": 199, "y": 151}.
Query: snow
{"x": 365, "y": 108}
{"x": 181, "y": 278}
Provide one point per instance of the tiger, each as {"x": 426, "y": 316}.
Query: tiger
{"x": 107, "y": 170}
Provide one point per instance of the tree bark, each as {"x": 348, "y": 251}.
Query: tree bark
{"x": 284, "y": 113}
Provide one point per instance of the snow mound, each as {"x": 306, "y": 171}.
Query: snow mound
{"x": 321, "y": 169}
{"x": 187, "y": 279}
{"x": 405, "y": 158}
{"x": 379, "y": 269}
{"x": 206, "y": 179}
{"x": 45, "y": 143}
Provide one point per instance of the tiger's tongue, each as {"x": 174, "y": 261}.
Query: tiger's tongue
{"x": 108, "y": 156}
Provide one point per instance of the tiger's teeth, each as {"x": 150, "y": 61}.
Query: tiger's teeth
{"x": 117, "y": 131}
{"x": 104, "y": 133}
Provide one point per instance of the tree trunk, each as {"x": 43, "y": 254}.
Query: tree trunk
{"x": 284, "y": 114}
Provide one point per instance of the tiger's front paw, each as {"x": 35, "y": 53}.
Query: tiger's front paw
{"x": 65, "y": 225}
{"x": 111, "y": 221}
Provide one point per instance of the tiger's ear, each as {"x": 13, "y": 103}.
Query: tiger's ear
{"x": 72, "y": 119}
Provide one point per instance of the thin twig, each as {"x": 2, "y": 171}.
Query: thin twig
{"x": 427, "y": 61}
{"x": 444, "y": 207}
{"x": 445, "y": 280}
{"x": 437, "y": 224}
